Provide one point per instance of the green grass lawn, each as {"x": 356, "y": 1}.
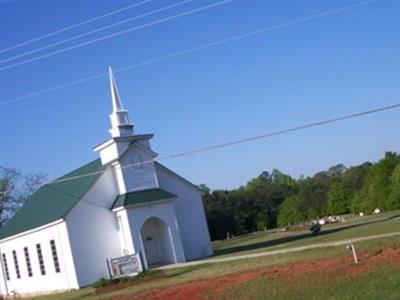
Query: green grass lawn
{"x": 259, "y": 242}
{"x": 364, "y": 286}
{"x": 380, "y": 283}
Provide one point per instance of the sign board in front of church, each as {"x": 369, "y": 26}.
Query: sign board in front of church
{"x": 125, "y": 265}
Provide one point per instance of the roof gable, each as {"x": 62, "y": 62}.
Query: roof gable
{"x": 53, "y": 200}
{"x": 177, "y": 176}
{"x": 142, "y": 196}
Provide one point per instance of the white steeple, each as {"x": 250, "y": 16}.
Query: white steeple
{"x": 120, "y": 125}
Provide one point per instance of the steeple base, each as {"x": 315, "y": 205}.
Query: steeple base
{"x": 121, "y": 131}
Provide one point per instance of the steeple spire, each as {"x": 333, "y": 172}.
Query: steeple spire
{"x": 116, "y": 102}
{"x": 120, "y": 125}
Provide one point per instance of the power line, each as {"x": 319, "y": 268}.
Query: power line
{"x": 49, "y": 185}
{"x": 73, "y": 26}
{"x": 94, "y": 31}
{"x": 247, "y": 139}
{"x": 71, "y": 83}
{"x": 188, "y": 51}
{"x": 117, "y": 34}
{"x": 284, "y": 131}
{"x": 80, "y": 198}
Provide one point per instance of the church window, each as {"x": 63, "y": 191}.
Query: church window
{"x": 40, "y": 257}
{"x": 28, "y": 262}
{"x": 55, "y": 256}
{"x": 6, "y": 267}
{"x": 16, "y": 264}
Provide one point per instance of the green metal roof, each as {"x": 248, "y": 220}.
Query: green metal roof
{"x": 53, "y": 200}
{"x": 143, "y": 196}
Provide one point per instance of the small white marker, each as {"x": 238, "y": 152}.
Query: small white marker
{"x": 351, "y": 247}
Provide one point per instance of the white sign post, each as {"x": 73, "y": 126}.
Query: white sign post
{"x": 125, "y": 265}
{"x": 351, "y": 247}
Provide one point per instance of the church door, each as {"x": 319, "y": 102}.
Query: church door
{"x": 152, "y": 249}
{"x": 157, "y": 242}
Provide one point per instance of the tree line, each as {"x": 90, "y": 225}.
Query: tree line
{"x": 276, "y": 199}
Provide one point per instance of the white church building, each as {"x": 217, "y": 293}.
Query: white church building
{"x": 123, "y": 203}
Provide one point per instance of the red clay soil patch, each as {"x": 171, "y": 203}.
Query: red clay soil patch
{"x": 331, "y": 268}
{"x": 338, "y": 266}
{"x": 192, "y": 290}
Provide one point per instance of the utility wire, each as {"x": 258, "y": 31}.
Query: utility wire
{"x": 73, "y": 26}
{"x": 188, "y": 51}
{"x": 246, "y": 140}
{"x": 117, "y": 34}
{"x": 80, "y": 198}
{"x": 94, "y": 31}
{"x": 49, "y": 185}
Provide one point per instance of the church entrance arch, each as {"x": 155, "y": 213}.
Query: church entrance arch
{"x": 157, "y": 242}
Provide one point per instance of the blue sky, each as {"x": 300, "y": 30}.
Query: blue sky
{"x": 326, "y": 67}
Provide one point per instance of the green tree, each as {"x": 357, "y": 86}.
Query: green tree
{"x": 354, "y": 177}
{"x": 312, "y": 195}
{"x": 338, "y": 198}
{"x": 204, "y": 188}
{"x": 276, "y": 198}
{"x": 289, "y": 212}
{"x": 219, "y": 213}
{"x": 336, "y": 171}
{"x": 357, "y": 178}
{"x": 376, "y": 186}
{"x": 394, "y": 190}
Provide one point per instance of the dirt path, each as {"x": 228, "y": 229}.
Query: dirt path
{"x": 332, "y": 268}
{"x": 280, "y": 251}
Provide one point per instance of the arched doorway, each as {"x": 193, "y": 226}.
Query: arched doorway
{"x": 157, "y": 242}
